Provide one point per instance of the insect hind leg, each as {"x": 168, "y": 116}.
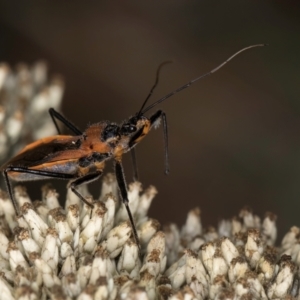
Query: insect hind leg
{"x": 24, "y": 170}
{"x": 10, "y": 193}
{"x": 84, "y": 180}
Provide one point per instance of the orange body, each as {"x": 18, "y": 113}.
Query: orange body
{"x": 74, "y": 155}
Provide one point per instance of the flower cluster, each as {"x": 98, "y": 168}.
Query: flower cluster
{"x": 25, "y": 97}
{"x": 76, "y": 252}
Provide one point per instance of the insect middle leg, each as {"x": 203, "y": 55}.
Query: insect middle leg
{"x": 123, "y": 190}
{"x": 85, "y": 180}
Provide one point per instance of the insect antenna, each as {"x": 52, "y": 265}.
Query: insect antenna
{"x": 154, "y": 85}
{"x": 196, "y": 79}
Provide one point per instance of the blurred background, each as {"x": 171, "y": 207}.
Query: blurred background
{"x": 234, "y": 137}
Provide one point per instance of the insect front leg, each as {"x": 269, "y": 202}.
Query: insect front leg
{"x": 123, "y": 190}
{"x": 57, "y": 116}
{"x": 154, "y": 119}
{"x": 84, "y": 180}
{"x": 134, "y": 163}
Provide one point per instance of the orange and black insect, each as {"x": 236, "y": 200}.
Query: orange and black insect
{"x": 81, "y": 158}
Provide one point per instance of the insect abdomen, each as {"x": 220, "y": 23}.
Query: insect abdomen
{"x": 63, "y": 167}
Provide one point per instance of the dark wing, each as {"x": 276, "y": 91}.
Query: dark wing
{"x": 45, "y": 150}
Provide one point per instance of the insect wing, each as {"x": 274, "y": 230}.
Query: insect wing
{"x": 51, "y": 149}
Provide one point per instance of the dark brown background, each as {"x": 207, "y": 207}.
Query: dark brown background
{"x": 234, "y": 137}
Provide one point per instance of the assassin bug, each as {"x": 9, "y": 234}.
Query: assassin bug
{"x": 81, "y": 158}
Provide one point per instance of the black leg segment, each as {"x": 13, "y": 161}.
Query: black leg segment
{"x": 155, "y": 118}
{"x": 57, "y": 116}
{"x": 29, "y": 171}
{"x": 84, "y": 180}
{"x": 123, "y": 190}
{"x": 8, "y": 186}
{"x": 134, "y": 163}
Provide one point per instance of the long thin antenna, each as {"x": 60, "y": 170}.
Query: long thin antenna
{"x": 155, "y": 84}
{"x": 198, "y": 78}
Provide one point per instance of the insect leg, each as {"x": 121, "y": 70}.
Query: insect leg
{"x": 134, "y": 163}
{"x": 29, "y": 171}
{"x": 84, "y": 180}
{"x": 8, "y": 186}
{"x": 154, "y": 119}
{"x": 57, "y": 116}
{"x": 123, "y": 190}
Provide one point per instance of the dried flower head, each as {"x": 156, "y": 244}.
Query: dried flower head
{"x": 75, "y": 252}
{"x": 25, "y": 97}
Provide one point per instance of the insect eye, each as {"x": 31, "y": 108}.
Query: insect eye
{"x": 132, "y": 128}
{"x": 128, "y": 128}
